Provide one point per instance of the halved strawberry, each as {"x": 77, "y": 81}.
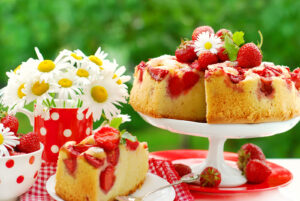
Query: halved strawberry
{"x": 93, "y": 161}
{"x": 71, "y": 165}
{"x": 107, "y": 138}
{"x": 157, "y": 73}
{"x": 200, "y": 30}
{"x": 29, "y": 143}
{"x": 189, "y": 79}
{"x": 132, "y": 145}
{"x": 107, "y": 178}
{"x": 113, "y": 156}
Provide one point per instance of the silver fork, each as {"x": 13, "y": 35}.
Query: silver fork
{"x": 189, "y": 178}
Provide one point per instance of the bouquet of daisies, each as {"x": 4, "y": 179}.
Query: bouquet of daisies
{"x": 73, "y": 80}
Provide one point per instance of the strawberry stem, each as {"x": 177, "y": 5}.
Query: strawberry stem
{"x": 261, "y": 39}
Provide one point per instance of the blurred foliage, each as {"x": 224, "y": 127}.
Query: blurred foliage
{"x": 134, "y": 30}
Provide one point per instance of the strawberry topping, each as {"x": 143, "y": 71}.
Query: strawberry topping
{"x": 29, "y": 143}
{"x": 93, "y": 160}
{"x": 82, "y": 147}
{"x": 189, "y": 79}
{"x": 295, "y": 76}
{"x": 113, "y": 156}
{"x": 157, "y": 73}
{"x": 207, "y": 58}
{"x": 107, "y": 138}
{"x": 107, "y": 178}
{"x": 266, "y": 87}
{"x": 141, "y": 67}
{"x": 257, "y": 171}
{"x": 249, "y": 56}
{"x": 71, "y": 165}
{"x": 237, "y": 78}
{"x": 200, "y": 30}
{"x": 175, "y": 86}
{"x": 186, "y": 52}
{"x": 132, "y": 145}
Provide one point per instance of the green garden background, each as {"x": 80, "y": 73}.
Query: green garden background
{"x": 135, "y": 30}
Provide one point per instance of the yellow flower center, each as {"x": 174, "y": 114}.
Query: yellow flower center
{"x": 65, "y": 82}
{"x": 75, "y": 56}
{"x": 1, "y": 139}
{"x": 96, "y": 60}
{"x": 39, "y": 88}
{"x": 99, "y": 94}
{"x": 115, "y": 76}
{"x": 119, "y": 82}
{"x": 208, "y": 45}
{"x": 46, "y": 66}
{"x": 20, "y": 93}
{"x": 16, "y": 69}
{"x": 82, "y": 72}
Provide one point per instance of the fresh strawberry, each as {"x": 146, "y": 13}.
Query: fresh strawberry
{"x": 113, "y": 156}
{"x": 221, "y": 33}
{"x": 189, "y": 79}
{"x": 107, "y": 178}
{"x": 207, "y": 58}
{"x": 249, "y": 152}
{"x": 200, "y": 30}
{"x": 257, "y": 171}
{"x": 186, "y": 52}
{"x": 132, "y": 145}
{"x": 15, "y": 153}
{"x": 158, "y": 73}
{"x": 182, "y": 169}
{"x": 107, "y": 138}
{"x": 11, "y": 122}
{"x": 210, "y": 177}
{"x": 221, "y": 55}
{"x": 249, "y": 56}
{"x": 93, "y": 161}
{"x": 29, "y": 143}
{"x": 71, "y": 165}
{"x": 175, "y": 86}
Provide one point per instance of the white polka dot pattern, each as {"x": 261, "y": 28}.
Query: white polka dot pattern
{"x": 54, "y": 149}
{"x": 43, "y": 131}
{"x": 67, "y": 132}
{"x": 54, "y": 116}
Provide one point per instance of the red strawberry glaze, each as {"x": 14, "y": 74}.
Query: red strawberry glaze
{"x": 107, "y": 178}
{"x": 157, "y": 73}
{"x": 132, "y": 145}
{"x": 93, "y": 160}
{"x": 113, "y": 156}
{"x": 140, "y": 68}
{"x": 268, "y": 72}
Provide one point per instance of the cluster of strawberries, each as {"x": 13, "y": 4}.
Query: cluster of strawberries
{"x": 247, "y": 56}
{"x": 28, "y": 142}
{"x": 251, "y": 161}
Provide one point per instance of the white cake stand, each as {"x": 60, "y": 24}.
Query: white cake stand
{"x": 217, "y": 135}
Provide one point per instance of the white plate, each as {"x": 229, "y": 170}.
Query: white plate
{"x": 222, "y": 130}
{"x": 152, "y": 182}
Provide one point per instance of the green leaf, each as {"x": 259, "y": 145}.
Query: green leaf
{"x": 238, "y": 38}
{"x": 127, "y": 135}
{"x": 231, "y": 48}
{"x": 116, "y": 122}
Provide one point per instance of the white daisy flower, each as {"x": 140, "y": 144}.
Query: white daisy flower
{"x": 99, "y": 58}
{"x": 102, "y": 95}
{"x": 207, "y": 42}
{"x": 37, "y": 89}
{"x": 73, "y": 57}
{"x": 66, "y": 85}
{"x": 84, "y": 72}
{"x": 7, "y": 140}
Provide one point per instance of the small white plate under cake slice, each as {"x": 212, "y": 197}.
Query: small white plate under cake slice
{"x": 151, "y": 183}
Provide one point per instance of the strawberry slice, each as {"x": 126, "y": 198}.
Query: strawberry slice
{"x": 113, "y": 156}
{"x": 157, "y": 73}
{"x": 175, "y": 86}
{"x": 71, "y": 165}
{"x": 132, "y": 145}
{"x": 107, "y": 138}
{"x": 141, "y": 67}
{"x": 82, "y": 147}
{"x": 189, "y": 78}
{"x": 93, "y": 160}
{"x": 107, "y": 179}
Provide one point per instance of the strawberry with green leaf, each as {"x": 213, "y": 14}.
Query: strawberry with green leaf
{"x": 8, "y": 121}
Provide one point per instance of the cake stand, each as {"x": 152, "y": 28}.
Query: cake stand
{"x": 217, "y": 135}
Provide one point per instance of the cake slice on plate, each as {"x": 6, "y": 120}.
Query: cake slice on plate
{"x": 101, "y": 167}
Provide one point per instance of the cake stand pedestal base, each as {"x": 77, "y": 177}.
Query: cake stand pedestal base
{"x": 230, "y": 176}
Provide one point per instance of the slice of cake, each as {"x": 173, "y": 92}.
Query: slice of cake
{"x": 101, "y": 167}
{"x": 166, "y": 87}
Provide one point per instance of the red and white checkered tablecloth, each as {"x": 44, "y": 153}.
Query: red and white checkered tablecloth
{"x": 161, "y": 168}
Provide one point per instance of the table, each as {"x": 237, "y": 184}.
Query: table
{"x": 288, "y": 193}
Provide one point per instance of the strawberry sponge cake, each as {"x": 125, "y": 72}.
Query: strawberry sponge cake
{"x": 216, "y": 78}
{"x": 101, "y": 167}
